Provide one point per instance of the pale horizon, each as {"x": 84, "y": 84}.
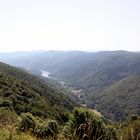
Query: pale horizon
{"x": 91, "y": 25}
{"x": 88, "y": 51}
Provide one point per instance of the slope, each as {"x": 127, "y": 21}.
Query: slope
{"x": 121, "y": 99}
{"x": 23, "y": 92}
{"x": 91, "y": 73}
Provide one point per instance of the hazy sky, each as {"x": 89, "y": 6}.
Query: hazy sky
{"x": 69, "y": 25}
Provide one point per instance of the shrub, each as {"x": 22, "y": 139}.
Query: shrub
{"x": 37, "y": 126}
{"x": 6, "y": 103}
{"x": 88, "y": 125}
{"x": 7, "y": 93}
{"x": 7, "y": 116}
{"x": 131, "y": 130}
{"x": 81, "y": 116}
{"x": 46, "y": 129}
{"x": 27, "y": 122}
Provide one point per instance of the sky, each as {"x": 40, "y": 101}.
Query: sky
{"x": 87, "y": 25}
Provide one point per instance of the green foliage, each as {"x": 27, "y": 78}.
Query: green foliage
{"x": 121, "y": 99}
{"x": 88, "y": 125}
{"x": 84, "y": 124}
{"x": 5, "y": 135}
{"x": 28, "y": 121}
{"x": 8, "y": 117}
{"x": 93, "y": 73}
{"x": 46, "y": 129}
{"x": 30, "y": 109}
{"x": 23, "y": 92}
{"x": 131, "y": 129}
{"x": 38, "y": 127}
{"x": 32, "y": 100}
{"x": 6, "y": 103}
{"x": 81, "y": 116}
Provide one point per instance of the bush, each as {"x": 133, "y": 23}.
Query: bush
{"x": 88, "y": 125}
{"x": 7, "y": 116}
{"x": 46, "y": 129}
{"x": 37, "y": 126}
{"x": 7, "y": 93}
{"x": 27, "y": 122}
{"x": 131, "y": 130}
{"x": 6, "y": 103}
{"x": 81, "y": 116}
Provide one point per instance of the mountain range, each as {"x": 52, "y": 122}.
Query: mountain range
{"x": 109, "y": 80}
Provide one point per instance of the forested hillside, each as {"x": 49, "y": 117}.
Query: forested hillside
{"x": 91, "y": 74}
{"x": 120, "y": 100}
{"x": 32, "y": 109}
{"x": 24, "y": 92}
{"x": 89, "y": 71}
